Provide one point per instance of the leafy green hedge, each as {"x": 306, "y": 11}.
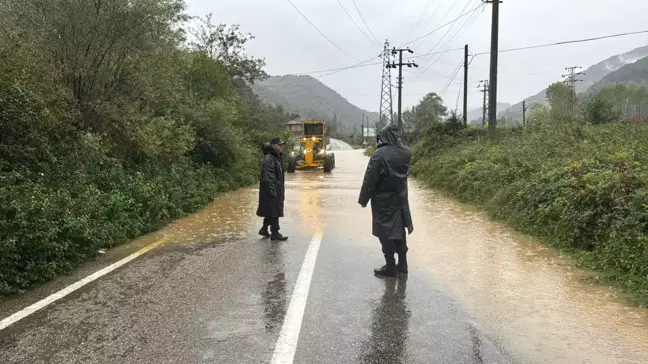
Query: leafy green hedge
{"x": 579, "y": 188}
{"x": 47, "y": 230}
{"x": 95, "y": 153}
{"x": 62, "y": 202}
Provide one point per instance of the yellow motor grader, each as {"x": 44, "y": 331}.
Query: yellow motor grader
{"x": 312, "y": 151}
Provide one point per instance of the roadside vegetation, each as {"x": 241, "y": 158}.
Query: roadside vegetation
{"x": 576, "y": 177}
{"x": 116, "y": 117}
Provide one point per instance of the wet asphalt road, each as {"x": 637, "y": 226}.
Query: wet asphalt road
{"x": 216, "y": 292}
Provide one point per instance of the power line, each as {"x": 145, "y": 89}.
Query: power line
{"x": 433, "y": 73}
{"x": 430, "y": 19}
{"x": 448, "y": 12}
{"x": 452, "y": 79}
{"x": 357, "y": 65}
{"x": 319, "y": 31}
{"x": 418, "y": 20}
{"x": 444, "y": 41}
{"x": 445, "y": 25}
{"x": 356, "y": 24}
{"x": 448, "y": 41}
{"x": 435, "y": 53}
{"x": 458, "y": 97}
{"x": 462, "y": 28}
{"x": 362, "y": 64}
{"x": 365, "y": 64}
{"x": 567, "y": 42}
{"x": 365, "y": 23}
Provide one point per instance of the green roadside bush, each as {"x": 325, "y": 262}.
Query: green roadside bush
{"x": 62, "y": 202}
{"x": 580, "y": 188}
{"x": 112, "y": 135}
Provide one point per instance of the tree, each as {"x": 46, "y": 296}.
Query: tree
{"x": 506, "y": 120}
{"x": 429, "y": 110}
{"x": 408, "y": 122}
{"x": 600, "y": 110}
{"x": 539, "y": 113}
{"x": 227, "y": 45}
{"x": 207, "y": 78}
{"x": 455, "y": 121}
{"x": 560, "y": 98}
{"x": 100, "y": 51}
{"x": 333, "y": 126}
{"x": 627, "y": 100}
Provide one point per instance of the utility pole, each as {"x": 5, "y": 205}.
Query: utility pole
{"x": 368, "y": 128}
{"x": 400, "y": 65}
{"x": 362, "y": 126}
{"x": 465, "y": 98}
{"x": 492, "y": 84}
{"x": 571, "y": 84}
{"x": 526, "y": 107}
{"x": 483, "y": 85}
{"x": 386, "y": 110}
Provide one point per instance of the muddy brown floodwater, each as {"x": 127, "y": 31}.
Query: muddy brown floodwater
{"x": 216, "y": 292}
{"x": 526, "y": 295}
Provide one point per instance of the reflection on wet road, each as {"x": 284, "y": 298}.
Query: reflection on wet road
{"x": 389, "y": 322}
{"x": 275, "y": 294}
{"x": 218, "y": 293}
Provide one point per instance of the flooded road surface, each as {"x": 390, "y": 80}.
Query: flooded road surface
{"x": 215, "y": 292}
{"x": 339, "y": 145}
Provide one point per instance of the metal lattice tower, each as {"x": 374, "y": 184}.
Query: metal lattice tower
{"x": 570, "y": 81}
{"x": 386, "y": 111}
{"x": 483, "y": 86}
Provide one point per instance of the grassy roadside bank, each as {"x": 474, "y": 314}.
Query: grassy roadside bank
{"x": 582, "y": 189}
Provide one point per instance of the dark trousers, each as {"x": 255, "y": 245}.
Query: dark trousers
{"x": 273, "y": 222}
{"x": 391, "y": 246}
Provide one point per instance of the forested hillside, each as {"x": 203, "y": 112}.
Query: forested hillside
{"x": 310, "y": 98}
{"x": 591, "y": 76}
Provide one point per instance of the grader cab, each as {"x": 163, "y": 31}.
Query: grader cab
{"x": 312, "y": 151}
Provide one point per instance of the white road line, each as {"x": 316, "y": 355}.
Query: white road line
{"x": 71, "y": 288}
{"x": 286, "y": 347}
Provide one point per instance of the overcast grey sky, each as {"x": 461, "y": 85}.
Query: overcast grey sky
{"x": 290, "y": 45}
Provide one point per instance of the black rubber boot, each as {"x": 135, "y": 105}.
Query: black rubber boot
{"x": 402, "y": 264}
{"x": 401, "y": 267}
{"x": 278, "y": 237}
{"x": 389, "y": 269}
{"x": 264, "y": 232}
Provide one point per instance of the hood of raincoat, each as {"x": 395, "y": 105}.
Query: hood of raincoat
{"x": 389, "y": 135}
{"x": 267, "y": 148}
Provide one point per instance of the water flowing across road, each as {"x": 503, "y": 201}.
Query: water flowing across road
{"x": 215, "y": 292}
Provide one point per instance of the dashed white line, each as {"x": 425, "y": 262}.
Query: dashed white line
{"x": 286, "y": 347}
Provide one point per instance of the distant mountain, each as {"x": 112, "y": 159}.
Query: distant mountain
{"x": 475, "y": 115}
{"x": 310, "y": 98}
{"x": 592, "y": 75}
{"x": 633, "y": 74}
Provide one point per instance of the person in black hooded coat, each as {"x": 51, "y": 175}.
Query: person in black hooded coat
{"x": 385, "y": 184}
{"x": 271, "y": 189}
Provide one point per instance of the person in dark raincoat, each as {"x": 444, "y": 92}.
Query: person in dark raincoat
{"x": 385, "y": 184}
{"x": 271, "y": 189}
